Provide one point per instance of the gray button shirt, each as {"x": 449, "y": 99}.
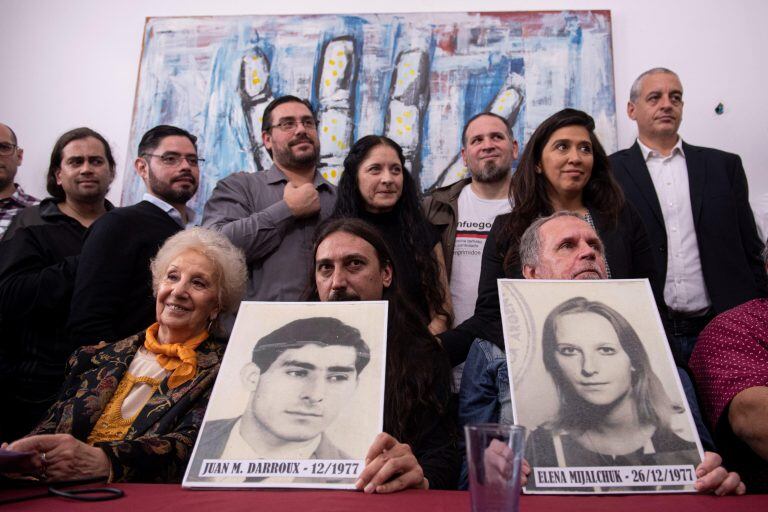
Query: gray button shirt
{"x": 249, "y": 209}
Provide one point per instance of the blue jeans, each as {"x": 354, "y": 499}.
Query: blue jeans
{"x": 690, "y": 395}
{"x": 484, "y": 394}
{"x": 682, "y": 347}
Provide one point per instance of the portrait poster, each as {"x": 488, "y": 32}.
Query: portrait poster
{"x": 298, "y": 400}
{"x": 414, "y": 77}
{"x": 594, "y": 382}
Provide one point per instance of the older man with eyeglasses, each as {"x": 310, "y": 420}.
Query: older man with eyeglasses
{"x": 12, "y": 198}
{"x": 272, "y": 215}
{"x": 113, "y": 298}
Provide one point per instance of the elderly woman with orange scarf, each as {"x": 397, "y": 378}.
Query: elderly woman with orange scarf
{"x": 131, "y": 410}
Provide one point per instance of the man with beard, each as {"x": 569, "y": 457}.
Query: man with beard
{"x": 466, "y": 209}
{"x": 272, "y": 215}
{"x": 113, "y": 287}
{"x": 38, "y": 258}
{"x": 418, "y": 447}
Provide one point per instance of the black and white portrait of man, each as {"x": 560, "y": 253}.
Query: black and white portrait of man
{"x": 299, "y": 379}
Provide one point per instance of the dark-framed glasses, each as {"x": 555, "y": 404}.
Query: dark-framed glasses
{"x": 6, "y": 148}
{"x": 290, "y": 125}
{"x": 174, "y": 159}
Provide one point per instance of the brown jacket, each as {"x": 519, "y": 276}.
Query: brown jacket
{"x": 442, "y": 209}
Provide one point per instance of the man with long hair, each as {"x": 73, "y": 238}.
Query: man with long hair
{"x": 418, "y": 446}
{"x": 113, "y": 297}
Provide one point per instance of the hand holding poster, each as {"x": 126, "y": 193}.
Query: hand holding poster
{"x": 298, "y": 400}
{"x": 594, "y": 382}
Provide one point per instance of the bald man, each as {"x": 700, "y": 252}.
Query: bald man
{"x": 12, "y": 198}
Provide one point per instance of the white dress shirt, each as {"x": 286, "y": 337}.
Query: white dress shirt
{"x": 237, "y": 448}
{"x": 170, "y": 210}
{"x": 684, "y": 290}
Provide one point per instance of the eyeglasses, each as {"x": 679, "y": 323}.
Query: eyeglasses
{"x": 6, "y": 148}
{"x": 174, "y": 159}
{"x": 290, "y": 125}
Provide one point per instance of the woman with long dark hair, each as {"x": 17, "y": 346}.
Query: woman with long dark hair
{"x": 563, "y": 168}
{"x": 377, "y": 188}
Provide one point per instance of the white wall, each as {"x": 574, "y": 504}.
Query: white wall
{"x": 74, "y": 63}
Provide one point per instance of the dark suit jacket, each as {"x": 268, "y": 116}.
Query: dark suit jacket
{"x": 158, "y": 445}
{"x": 729, "y": 247}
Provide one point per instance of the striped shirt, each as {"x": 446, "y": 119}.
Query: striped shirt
{"x": 12, "y": 205}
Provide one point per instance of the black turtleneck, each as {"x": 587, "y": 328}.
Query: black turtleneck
{"x": 407, "y": 275}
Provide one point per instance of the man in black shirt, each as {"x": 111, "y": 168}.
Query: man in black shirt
{"x": 38, "y": 257}
{"x": 418, "y": 446}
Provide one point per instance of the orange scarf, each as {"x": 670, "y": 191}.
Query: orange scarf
{"x": 180, "y": 358}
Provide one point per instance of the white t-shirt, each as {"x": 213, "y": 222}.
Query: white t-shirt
{"x": 476, "y": 217}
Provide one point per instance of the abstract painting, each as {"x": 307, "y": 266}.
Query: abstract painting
{"x": 416, "y": 78}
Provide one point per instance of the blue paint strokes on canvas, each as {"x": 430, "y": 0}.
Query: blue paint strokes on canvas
{"x": 418, "y": 77}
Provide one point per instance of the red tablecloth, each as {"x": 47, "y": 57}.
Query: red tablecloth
{"x": 159, "y": 497}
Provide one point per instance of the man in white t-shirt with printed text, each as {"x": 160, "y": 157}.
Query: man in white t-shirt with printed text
{"x": 468, "y": 207}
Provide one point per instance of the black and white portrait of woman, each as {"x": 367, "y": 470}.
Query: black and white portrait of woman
{"x": 610, "y": 407}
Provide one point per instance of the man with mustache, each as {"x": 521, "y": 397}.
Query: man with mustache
{"x": 113, "y": 297}
{"x": 351, "y": 261}
{"x": 564, "y": 246}
{"x": 272, "y": 215}
{"x": 695, "y": 207}
{"x": 38, "y": 259}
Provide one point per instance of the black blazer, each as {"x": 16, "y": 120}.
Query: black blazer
{"x": 627, "y": 252}
{"x": 729, "y": 246}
